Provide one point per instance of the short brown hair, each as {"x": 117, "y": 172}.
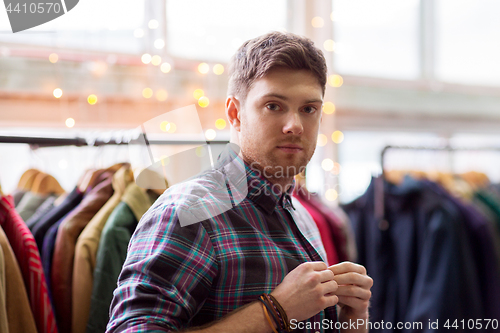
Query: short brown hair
{"x": 256, "y": 57}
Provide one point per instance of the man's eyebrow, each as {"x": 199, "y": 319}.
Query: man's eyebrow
{"x": 287, "y": 99}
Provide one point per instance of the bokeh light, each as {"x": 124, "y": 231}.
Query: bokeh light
{"x": 220, "y": 123}
{"x": 203, "y": 101}
{"x": 337, "y": 136}
{"x": 70, "y": 122}
{"x": 147, "y": 92}
{"x": 210, "y": 134}
{"x": 57, "y": 93}
{"x": 328, "y": 108}
{"x": 203, "y": 68}
{"x": 92, "y": 99}
{"x": 218, "y": 69}
{"x": 322, "y": 140}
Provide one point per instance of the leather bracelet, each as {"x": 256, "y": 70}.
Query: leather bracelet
{"x": 269, "y": 307}
{"x": 278, "y": 314}
{"x": 268, "y": 318}
{"x": 281, "y": 311}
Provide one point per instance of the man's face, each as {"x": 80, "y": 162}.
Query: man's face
{"x": 279, "y": 122}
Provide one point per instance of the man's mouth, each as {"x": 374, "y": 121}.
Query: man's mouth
{"x": 290, "y": 148}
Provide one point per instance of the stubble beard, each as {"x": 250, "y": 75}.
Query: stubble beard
{"x": 276, "y": 170}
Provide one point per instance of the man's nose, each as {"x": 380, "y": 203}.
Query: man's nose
{"x": 293, "y": 124}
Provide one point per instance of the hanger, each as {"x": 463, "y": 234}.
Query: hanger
{"x": 26, "y": 181}
{"x": 46, "y": 184}
{"x": 90, "y": 180}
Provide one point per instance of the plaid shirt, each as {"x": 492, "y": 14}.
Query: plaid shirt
{"x": 177, "y": 276}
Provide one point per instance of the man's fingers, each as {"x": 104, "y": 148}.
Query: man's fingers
{"x": 331, "y": 300}
{"x": 346, "y": 267}
{"x": 356, "y": 303}
{"x": 326, "y": 275}
{"x": 330, "y": 288}
{"x": 317, "y": 265}
{"x": 353, "y": 292}
{"x": 354, "y": 278}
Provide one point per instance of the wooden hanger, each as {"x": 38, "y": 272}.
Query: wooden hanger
{"x": 26, "y": 181}
{"x": 89, "y": 182}
{"x": 152, "y": 181}
{"x": 46, "y": 184}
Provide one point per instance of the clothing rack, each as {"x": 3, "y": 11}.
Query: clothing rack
{"x": 37, "y": 142}
{"x": 423, "y": 148}
{"x": 379, "y": 208}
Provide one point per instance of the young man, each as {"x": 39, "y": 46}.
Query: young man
{"x": 207, "y": 276}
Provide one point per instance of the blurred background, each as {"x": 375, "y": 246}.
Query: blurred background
{"x": 414, "y": 72}
{"x": 413, "y": 89}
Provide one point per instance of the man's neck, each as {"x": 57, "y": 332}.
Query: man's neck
{"x": 279, "y": 185}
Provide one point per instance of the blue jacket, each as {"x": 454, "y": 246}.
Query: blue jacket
{"x": 419, "y": 255}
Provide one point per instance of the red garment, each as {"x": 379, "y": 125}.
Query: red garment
{"x": 24, "y": 246}
{"x": 324, "y": 230}
{"x": 337, "y": 227}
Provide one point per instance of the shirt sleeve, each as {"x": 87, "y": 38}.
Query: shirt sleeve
{"x": 166, "y": 277}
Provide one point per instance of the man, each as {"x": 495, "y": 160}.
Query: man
{"x": 207, "y": 276}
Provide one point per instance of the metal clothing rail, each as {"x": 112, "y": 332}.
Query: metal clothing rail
{"x": 39, "y": 141}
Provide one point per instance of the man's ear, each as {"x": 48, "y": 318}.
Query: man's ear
{"x": 233, "y": 112}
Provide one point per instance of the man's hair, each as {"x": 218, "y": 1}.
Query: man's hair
{"x": 256, "y": 57}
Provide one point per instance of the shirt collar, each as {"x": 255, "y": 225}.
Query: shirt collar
{"x": 260, "y": 190}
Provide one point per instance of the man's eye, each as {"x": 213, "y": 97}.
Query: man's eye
{"x": 309, "y": 109}
{"x": 273, "y": 107}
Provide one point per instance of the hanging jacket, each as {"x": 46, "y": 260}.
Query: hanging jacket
{"x": 51, "y": 217}
{"x": 323, "y": 227}
{"x": 19, "y": 318}
{"x": 484, "y": 253}
{"x": 418, "y": 254}
{"x": 86, "y": 251}
{"x": 64, "y": 249}
{"x": 112, "y": 252}
{"x": 28, "y": 258}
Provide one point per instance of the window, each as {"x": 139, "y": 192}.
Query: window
{"x": 106, "y": 26}
{"x": 214, "y": 30}
{"x": 376, "y": 38}
{"x": 468, "y": 42}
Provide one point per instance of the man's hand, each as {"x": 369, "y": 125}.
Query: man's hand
{"x": 353, "y": 291}
{"x": 307, "y": 290}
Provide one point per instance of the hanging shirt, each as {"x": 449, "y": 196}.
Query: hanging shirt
{"x": 18, "y": 195}
{"x": 178, "y": 276}
{"x": 29, "y": 204}
{"x": 40, "y": 212}
{"x": 28, "y": 257}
